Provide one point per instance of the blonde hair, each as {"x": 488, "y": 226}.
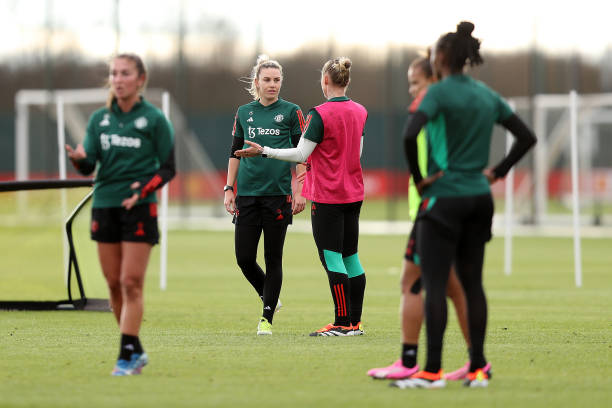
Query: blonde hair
{"x": 263, "y": 61}
{"x": 339, "y": 71}
{"x": 140, "y": 67}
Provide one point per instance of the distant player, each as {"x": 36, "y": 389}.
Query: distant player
{"x": 420, "y": 76}
{"x": 264, "y": 201}
{"x": 454, "y": 219}
{"x": 132, "y": 143}
{"x": 332, "y": 144}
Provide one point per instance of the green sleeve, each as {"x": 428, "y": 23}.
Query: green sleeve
{"x": 297, "y": 121}
{"x": 163, "y": 135}
{"x": 503, "y": 109}
{"x": 314, "y": 127}
{"x": 430, "y": 104}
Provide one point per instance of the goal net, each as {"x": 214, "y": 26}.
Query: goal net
{"x": 34, "y": 274}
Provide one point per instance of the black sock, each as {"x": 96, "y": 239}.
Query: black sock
{"x": 128, "y": 346}
{"x": 409, "y": 354}
{"x": 357, "y": 289}
{"x": 476, "y": 362}
{"x": 138, "y": 347}
{"x": 338, "y": 283}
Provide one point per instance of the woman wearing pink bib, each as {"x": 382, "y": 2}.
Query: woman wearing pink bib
{"x": 331, "y": 145}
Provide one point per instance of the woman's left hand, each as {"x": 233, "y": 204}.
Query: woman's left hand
{"x": 299, "y": 203}
{"x": 254, "y": 150}
{"x": 130, "y": 202}
{"x": 490, "y": 175}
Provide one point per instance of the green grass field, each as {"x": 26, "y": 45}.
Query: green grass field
{"x": 550, "y": 343}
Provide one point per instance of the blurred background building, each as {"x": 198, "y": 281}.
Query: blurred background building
{"x": 200, "y": 50}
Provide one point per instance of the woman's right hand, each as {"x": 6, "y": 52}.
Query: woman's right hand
{"x": 428, "y": 181}
{"x": 76, "y": 154}
{"x": 230, "y": 202}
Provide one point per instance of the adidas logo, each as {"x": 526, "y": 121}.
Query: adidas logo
{"x": 129, "y": 347}
{"x": 250, "y": 119}
{"x": 267, "y": 308}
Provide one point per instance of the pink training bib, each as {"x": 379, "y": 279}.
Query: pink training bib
{"x": 335, "y": 175}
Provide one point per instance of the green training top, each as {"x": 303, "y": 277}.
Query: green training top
{"x": 272, "y": 126}
{"x": 128, "y": 147}
{"x": 464, "y": 111}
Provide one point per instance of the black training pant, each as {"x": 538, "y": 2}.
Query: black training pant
{"x": 454, "y": 228}
{"x": 335, "y": 228}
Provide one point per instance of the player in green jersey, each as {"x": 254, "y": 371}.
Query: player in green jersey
{"x": 455, "y": 216}
{"x": 131, "y": 142}
{"x": 263, "y": 201}
{"x": 420, "y": 77}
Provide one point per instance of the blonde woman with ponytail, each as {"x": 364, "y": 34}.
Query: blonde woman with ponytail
{"x": 263, "y": 201}
{"x": 132, "y": 144}
{"x": 331, "y": 144}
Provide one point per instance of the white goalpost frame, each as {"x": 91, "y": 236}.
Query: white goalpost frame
{"x": 163, "y": 219}
{"x": 25, "y": 98}
{"x": 542, "y": 102}
{"x": 573, "y": 104}
{"x": 61, "y": 142}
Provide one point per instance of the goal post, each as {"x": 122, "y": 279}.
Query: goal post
{"x": 63, "y": 99}
{"x": 563, "y": 169}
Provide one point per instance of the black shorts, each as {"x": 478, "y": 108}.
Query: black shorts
{"x": 263, "y": 210}
{"x": 335, "y": 227}
{"x": 411, "y": 254}
{"x": 458, "y": 218}
{"x": 116, "y": 224}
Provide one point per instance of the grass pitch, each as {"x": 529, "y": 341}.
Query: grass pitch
{"x": 550, "y": 343}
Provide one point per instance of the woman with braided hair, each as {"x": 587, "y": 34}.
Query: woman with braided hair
{"x": 456, "y": 211}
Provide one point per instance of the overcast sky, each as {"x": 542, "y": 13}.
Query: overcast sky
{"x": 147, "y": 25}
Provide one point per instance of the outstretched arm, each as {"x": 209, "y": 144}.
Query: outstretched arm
{"x": 297, "y": 154}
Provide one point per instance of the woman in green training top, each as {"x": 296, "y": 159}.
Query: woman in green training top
{"x": 456, "y": 212}
{"x": 420, "y": 76}
{"x": 264, "y": 202}
{"x": 131, "y": 142}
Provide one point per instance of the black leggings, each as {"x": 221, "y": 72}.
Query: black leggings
{"x": 454, "y": 228}
{"x": 335, "y": 228}
{"x": 268, "y": 284}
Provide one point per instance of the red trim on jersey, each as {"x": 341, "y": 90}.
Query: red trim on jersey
{"x": 300, "y": 116}
{"x": 151, "y": 186}
{"x": 307, "y": 122}
{"x": 417, "y": 101}
{"x": 234, "y": 128}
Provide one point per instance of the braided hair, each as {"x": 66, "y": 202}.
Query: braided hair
{"x": 460, "y": 48}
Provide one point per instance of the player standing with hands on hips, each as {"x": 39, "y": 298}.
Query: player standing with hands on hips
{"x": 131, "y": 141}
{"x": 455, "y": 216}
{"x": 332, "y": 143}
{"x": 264, "y": 202}
{"x": 420, "y": 77}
